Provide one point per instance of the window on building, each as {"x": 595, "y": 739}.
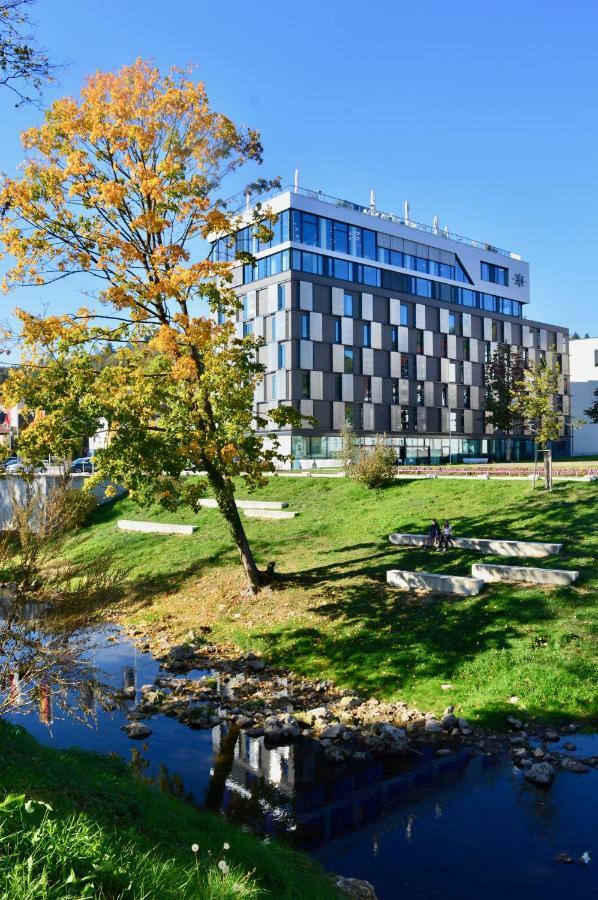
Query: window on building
{"x": 245, "y": 302}
{"x": 348, "y": 304}
{"x": 487, "y": 352}
{"x": 405, "y": 365}
{"x": 348, "y": 415}
{"x": 273, "y": 328}
{"x": 444, "y": 395}
{"x": 305, "y": 326}
{"x": 282, "y": 355}
{"x": 280, "y": 296}
{"x": 395, "y": 390}
{"x": 221, "y": 317}
{"x": 452, "y": 323}
{"x": 274, "y": 394}
{"x": 420, "y": 393}
{"x": 453, "y": 420}
{"x": 247, "y": 328}
{"x": 404, "y": 420}
{"x": 404, "y": 313}
{"x": 338, "y": 332}
{"x": 495, "y": 274}
{"x": 419, "y": 341}
{"x": 367, "y": 389}
{"x": 460, "y": 371}
{"x": 495, "y": 336}
{"x": 349, "y": 360}
{"x": 394, "y": 338}
{"x": 467, "y": 397}
{"x": 596, "y": 357}
{"x": 367, "y": 334}
{"x": 444, "y": 345}
{"x": 338, "y": 387}
{"x": 466, "y": 349}
{"x": 341, "y": 237}
{"x": 305, "y": 386}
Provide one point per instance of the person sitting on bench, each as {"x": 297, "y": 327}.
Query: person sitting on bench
{"x": 434, "y": 534}
{"x": 446, "y": 536}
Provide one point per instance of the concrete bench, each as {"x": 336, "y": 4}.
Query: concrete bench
{"x": 269, "y": 514}
{"x": 209, "y": 503}
{"x": 462, "y": 585}
{"x": 155, "y": 527}
{"x": 525, "y": 574}
{"x": 484, "y": 545}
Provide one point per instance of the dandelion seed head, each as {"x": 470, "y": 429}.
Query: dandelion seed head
{"x": 194, "y": 847}
{"x": 226, "y": 846}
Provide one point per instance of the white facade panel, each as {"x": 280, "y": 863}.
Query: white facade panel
{"x": 395, "y": 311}
{"x": 315, "y": 326}
{"x": 307, "y": 409}
{"x": 420, "y": 316}
{"x": 474, "y": 350}
{"x": 258, "y": 326}
{"x": 395, "y": 364}
{"x": 421, "y": 367}
{"x": 507, "y": 332}
{"x": 466, "y": 324}
{"x": 445, "y": 370}
{"x": 487, "y": 329}
{"x": 403, "y": 337}
{"x": 316, "y": 385}
{"x": 251, "y": 304}
{"x": 368, "y": 417}
{"x": 348, "y": 390}
{"x": 429, "y": 343}
{"x": 467, "y": 373}
{"x": 444, "y": 321}
{"x": 338, "y": 301}
{"x": 376, "y": 390}
{"x": 347, "y": 331}
{"x": 367, "y": 307}
{"x": 306, "y": 355}
{"x": 367, "y": 361}
{"x": 338, "y": 416}
{"x": 338, "y": 358}
{"x": 377, "y": 335}
{"x": 306, "y": 295}
{"x": 451, "y": 343}
{"x": 281, "y": 325}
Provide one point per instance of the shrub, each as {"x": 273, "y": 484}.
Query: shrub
{"x": 375, "y": 465}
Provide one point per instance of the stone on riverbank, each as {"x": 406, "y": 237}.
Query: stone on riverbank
{"x": 541, "y": 774}
{"x": 277, "y": 728}
{"x": 573, "y": 765}
{"x": 137, "y": 731}
{"x": 356, "y": 888}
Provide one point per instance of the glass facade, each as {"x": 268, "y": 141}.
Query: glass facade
{"x": 373, "y": 276}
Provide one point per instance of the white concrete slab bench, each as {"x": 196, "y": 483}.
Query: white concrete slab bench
{"x": 155, "y": 527}
{"x": 462, "y": 585}
{"x": 209, "y": 503}
{"x": 269, "y": 514}
{"x": 529, "y": 575}
{"x": 485, "y": 545}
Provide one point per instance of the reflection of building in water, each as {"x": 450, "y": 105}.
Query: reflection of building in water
{"x": 321, "y": 799}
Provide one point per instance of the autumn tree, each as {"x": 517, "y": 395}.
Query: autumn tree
{"x": 536, "y": 399}
{"x": 25, "y": 67}
{"x": 503, "y": 372}
{"x": 122, "y": 187}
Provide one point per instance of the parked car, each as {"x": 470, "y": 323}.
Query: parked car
{"x": 8, "y": 461}
{"x": 82, "y": 466}
{"x": 18, "y": 466}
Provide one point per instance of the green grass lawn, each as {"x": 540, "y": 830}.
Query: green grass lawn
{"x": 121, "y": 838}
{"x": 330, "y": 613}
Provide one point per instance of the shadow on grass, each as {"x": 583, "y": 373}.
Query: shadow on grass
{"x": 382, "y": 642}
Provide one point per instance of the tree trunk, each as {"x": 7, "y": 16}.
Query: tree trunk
{"x": 548, "y": 470}
{"x": 225, "y": 497}
{"x": 508, "y": 447}
{"x": 535, "y": 466}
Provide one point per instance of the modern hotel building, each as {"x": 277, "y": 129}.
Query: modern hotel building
{"x": 373, "y": 319}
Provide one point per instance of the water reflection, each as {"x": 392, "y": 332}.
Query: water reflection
{"x": 429, "y": 819}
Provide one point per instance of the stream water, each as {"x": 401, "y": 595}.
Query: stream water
{"x": 458, "y": 827}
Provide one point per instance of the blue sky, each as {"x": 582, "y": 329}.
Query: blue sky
{"x": 481, "y": 113}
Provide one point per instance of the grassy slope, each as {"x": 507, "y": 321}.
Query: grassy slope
{"x": 126, "y": 810}
{"x": 332, "y": 615}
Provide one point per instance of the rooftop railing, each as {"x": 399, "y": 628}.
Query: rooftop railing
{"x": 388, "y": 217}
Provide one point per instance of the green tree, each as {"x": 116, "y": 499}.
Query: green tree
{"x": 592, "y": 411}
{"x": 122, "y": 187}
{"x": 24, "y": 67}
{"x": 503, "y": 372}
{"x": 536, "y": 399}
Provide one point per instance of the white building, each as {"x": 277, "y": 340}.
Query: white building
{"x": 584, "y": 381}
